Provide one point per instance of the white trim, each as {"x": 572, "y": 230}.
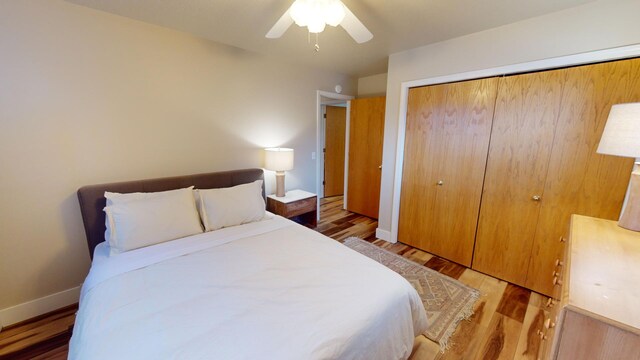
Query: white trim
{"x": 323, "y": 145}
{"x": 346, "y": 156}
{"x": 319, "y": 140}
{"x": 384, "y": 235}
{"x": 551, "y": 63}
{"x": 43, "y": 305}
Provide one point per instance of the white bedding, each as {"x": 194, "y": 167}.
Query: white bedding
{"x": 266, "y": 290}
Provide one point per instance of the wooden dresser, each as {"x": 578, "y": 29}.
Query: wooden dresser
{"x": 598, "y": 287}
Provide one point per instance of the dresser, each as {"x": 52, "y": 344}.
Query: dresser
{"x": 596, "y": 313}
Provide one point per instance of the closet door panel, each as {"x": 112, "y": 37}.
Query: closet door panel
{"x": 444, "y": 166}
{"x": 579, "y": 180}
{"x": 607, "y": 177}
{"x": 526, "y": 112}
{"x": 422, "y": 154}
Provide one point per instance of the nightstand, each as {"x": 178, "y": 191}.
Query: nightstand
{"x": 298, "y": 205}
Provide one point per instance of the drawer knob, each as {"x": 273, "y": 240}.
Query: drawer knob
{"x": 562, "y": 239}
{"x": 559, "y": 263}
{"x": 440, "y": 183}
{"x": 548, "y": 324}
{"x": 542, "y": 335}
{"x": 536, "y": 198}
{"x": 556, "y": 281}
{"x": 550, "y": 302}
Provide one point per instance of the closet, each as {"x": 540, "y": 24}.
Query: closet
{"x": 490, "y": 182}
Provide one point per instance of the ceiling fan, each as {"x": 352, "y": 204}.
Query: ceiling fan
{"x": 316, "y": 14}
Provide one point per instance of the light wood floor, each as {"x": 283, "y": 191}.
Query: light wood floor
{"x": 503, "y": 327}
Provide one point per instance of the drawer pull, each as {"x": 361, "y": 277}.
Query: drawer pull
{"x": 562, "y": 239}
{"x": 542, "y": 335}
{"x": 550, "y": 302}
{"x": 556, "y": 281}
{"x": 559, "y": 263}
{"x": 548, "y": 324}
{"x": 555, "y": 273}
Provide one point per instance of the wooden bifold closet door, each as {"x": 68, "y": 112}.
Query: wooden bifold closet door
{"x": 447, "y": 137}
{"x": 523, "y": 125}
{"x": 547, "y": 128}
{"x": 579, "y": 180}
{"x": 505, "y": 162}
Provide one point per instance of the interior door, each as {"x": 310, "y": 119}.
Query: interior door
{"x": 335, "y": 133}
{"x": 366, "y": 130}
{"x": 524, "y": 124}
{"x": 446, "y": 143}
{"x": 580, "y": 180}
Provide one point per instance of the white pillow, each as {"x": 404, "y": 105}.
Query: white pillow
{"x": 236, "y": 205}
{"x": 141, "y": 219}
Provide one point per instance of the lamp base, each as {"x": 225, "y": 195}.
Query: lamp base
{"x": 630, "y": 217}
{"x": 280, "y": 184}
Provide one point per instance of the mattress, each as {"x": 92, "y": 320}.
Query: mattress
{"x": 266, "y": 290}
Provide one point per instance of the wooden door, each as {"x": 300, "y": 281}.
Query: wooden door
{"x": 446, "y": 143}
{"x": 335, "y": 134}
{"x": 366, "y": 129}
{"x": 579, "y": 180}
{"x": 526, "y": 112}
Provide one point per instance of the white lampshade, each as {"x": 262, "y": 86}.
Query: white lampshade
{"x": 278, "y": 159}
{"x": 621, "y": 136}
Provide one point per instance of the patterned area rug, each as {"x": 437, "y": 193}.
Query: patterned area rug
{"x": 446, "y": 300}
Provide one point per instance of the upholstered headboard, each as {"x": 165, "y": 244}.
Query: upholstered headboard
{"x": 92, "y": 199}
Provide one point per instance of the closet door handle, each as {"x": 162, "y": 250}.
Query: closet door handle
{"x": 536, "y": 197}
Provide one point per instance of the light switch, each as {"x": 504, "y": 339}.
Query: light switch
{"x": 313, "y": 155}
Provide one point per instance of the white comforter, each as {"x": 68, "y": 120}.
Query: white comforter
{"x": 266, "y": 290}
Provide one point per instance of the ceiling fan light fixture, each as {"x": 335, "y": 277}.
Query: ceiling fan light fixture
{"x": 300, "y": 12}
{"x": 316, "y": 14}
{"x": 334, "y": 13}
{"x": 316, "y": 25}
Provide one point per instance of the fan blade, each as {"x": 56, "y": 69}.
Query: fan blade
{"x": 355, "y": 28}
{"x": 281, "y": 26}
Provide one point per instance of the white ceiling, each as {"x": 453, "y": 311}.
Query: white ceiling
{"x": 396, "y": 25}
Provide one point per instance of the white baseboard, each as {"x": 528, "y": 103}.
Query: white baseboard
{"x": 384, "y": 235}
{"x": 43, "y": 305}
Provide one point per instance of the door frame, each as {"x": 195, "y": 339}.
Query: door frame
{"x": 320, "y": 140}
{"x": 612, "y": 54}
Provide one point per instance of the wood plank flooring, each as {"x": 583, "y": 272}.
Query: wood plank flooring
{"x": 503, "y": 327}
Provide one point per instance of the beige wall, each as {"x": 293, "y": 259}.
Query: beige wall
{"x": 594, "y": 26}
{"x": 89, "y": 97}
{"x": 373, "y": 85}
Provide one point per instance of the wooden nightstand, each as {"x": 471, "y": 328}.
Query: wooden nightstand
{"x": 298, "y": 205}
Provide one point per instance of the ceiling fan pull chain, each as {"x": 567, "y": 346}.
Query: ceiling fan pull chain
{"x": 317, "y": 46}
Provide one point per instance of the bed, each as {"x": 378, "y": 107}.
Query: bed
{"x": 269, "y": 289}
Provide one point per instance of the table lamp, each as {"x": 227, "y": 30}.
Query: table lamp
{"x": 621, "y": 137}
{"x": 279, "y": 160}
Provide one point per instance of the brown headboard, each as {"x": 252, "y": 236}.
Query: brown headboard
{"x": 92, "y": 199}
